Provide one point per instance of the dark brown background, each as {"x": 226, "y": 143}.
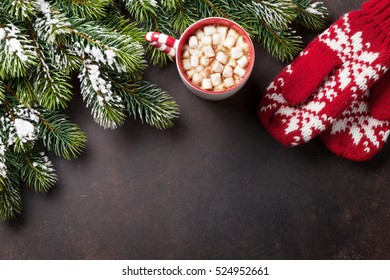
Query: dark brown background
{"x": 216, "y": 186}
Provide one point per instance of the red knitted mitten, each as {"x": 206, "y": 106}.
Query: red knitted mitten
{"x": 336, "y": 69}
{"x": 360, "y": 133}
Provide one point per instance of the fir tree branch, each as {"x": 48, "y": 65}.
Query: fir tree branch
{"x": 3, "y": 166}
{"x": 116, "y": 51}
{"x": 149, "y": 103}
{"x": 85, "y": 9}
{"x": 142, "y": 10}
{"x": 20, "y": 9}
{"x": 312, "y": 16}
{"x": 157, "y": 57}
{"x": 53, "y": 88}
{"x": 96, "y": 89}
{"x": 60, "y": 135}
{"x": 17, "y": 53}
{"x": 150, "y": 15}
{"x": 173, "y": 4}
{"x": 2, "y": 89}
{"x": 211, "y": 9}
{"x": 115, "y": 21}
{"x": 62, "y": 59}
{"x": 284, "y": 45}
{"x": 275, "y": 14}
{"x": 53, "y": 26}
{"x": 182, "y": 17}
{"x": 37, "y": 171}
{"x": 25, "y": 91}
{"x": 22, "y": 126}
{"x": 10, "y": 199}
{"x": 8, "y": 113}
{"x": 44, "y": 42}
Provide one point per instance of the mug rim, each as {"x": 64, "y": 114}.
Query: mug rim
{"x": 215, "y": 20}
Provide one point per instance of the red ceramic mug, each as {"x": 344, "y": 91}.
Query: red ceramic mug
{"x": 174, "y": 47}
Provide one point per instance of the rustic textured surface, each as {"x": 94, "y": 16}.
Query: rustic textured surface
{"x": 217, "y": 185}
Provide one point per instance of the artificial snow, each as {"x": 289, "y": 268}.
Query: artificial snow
{"x": 50, "y": 22}
{"x": 24, "y": 129}
{"x": 43, "y": 6}
{"x": 313, "y": 11}
{"x": 13, "y": 45}
{"x": 34, "y": 117}
{"x": 153, "y": 3}
{"x": 96, "y": 54}
{"x": 110, "y": 55}
{"x": 97, "y": 82}
{"x": 3, "y": 167}
{"x": 2, "y": 34}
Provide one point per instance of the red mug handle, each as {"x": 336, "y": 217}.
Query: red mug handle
{"x": 162, "y": 42}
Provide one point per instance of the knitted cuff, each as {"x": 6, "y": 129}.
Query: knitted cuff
{"x": 379, "y": 11}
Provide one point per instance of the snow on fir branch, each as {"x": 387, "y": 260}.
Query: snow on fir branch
{"x": 24, "y": 130}
{"x": 43, "y": 44}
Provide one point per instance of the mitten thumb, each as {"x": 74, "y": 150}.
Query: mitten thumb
{"x": 310, "y": 72}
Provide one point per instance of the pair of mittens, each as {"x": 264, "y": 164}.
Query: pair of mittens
{"x": 338, "y": 87}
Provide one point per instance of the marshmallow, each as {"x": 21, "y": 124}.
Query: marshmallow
{"x": 227, "y": 72}
{"x": 245, "y": 47}
{"x": 222, "y": 30}
{"x": 199, "y": 69}
{"x": 232, "y": 63}
{"x": 186, "y": 54}
{"x": 203, "y": 74}
{"x": 208, "y": 51}
{"x": 233, "y": 34}
{"x": 209, "y": 30}
{"x": 216, "y": 79}
{"x": 196, "y": 79}
{"x": 217, "y": 39}
{"x": 207, "y": 72}
{"x": 221, "y": 57}
{"x": 205, "y": 61}
{"x": 194, "y": 61}
{"x": 193, "y": 42}
{"x": 229, "y": 42}
{"x": 239, "y": 71}
{"x": 229, "y": 82}
{"x": 199, "y": 34}
{"x": 206, "y": 84}
{"x": 243, "y": 62}
{"x": 240, "y": 41}
{"x": 186, "y": 64}
{"x": 236, "y": 52}
{"x": 217, "y": 67}
{"x": 195, "y": 52}
{"x": 190, "y": 73}
{"x": 206, "y": 40}
{"x": 217, "y": 48}
{"x": 221, "y": 87}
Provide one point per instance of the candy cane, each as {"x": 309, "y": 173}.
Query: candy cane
{"x": 162, "y": 42}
